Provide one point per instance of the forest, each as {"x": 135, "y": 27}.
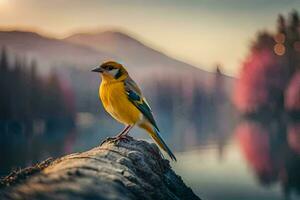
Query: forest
{"x": 269, "y": 82}
{"x": 36, "y": 103}
{"x": 29, "y": 102}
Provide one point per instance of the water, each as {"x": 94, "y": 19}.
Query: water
{"x": 257, "y": 161}
{"x": 224, "y": 160}
{"x": 227, "y": 177}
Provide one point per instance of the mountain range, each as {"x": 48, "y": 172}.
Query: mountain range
{"x": 85, "y": 50}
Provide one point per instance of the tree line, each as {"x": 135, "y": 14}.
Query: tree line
{"x": 269, "y": 80}
{"x": 27, "y": 98}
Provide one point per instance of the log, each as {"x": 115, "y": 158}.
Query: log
{"x": 124, "y": 170}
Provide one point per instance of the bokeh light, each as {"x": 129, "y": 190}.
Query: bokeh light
{"x": 279, "y": 49}
{"x": 279, "y": 38}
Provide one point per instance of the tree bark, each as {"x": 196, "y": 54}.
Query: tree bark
{"x": 131, "y": 169}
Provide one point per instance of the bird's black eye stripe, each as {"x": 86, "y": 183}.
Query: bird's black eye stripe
{"x": 108, "y": 67}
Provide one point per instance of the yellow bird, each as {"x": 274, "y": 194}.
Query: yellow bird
{"x": 123, "y": 100}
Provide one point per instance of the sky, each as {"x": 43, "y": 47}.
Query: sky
{"x": 200, "y": 32}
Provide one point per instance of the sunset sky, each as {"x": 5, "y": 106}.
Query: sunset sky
{"x": 200, "y": 32}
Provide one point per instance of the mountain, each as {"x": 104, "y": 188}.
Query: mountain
{"x": 161, "y": 77}
{"x": 83, "y": 50}
{"x": 49, "y": 51}
{"x": 129, "y": 49}
{"x": 140, "y": 57}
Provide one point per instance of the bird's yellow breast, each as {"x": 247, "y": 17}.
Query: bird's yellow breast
{"x": 116, "y": 103}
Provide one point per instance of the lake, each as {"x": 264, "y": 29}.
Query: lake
{"x": 226, "y": 159}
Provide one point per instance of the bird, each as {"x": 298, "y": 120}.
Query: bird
{"x": 123, "y": 100}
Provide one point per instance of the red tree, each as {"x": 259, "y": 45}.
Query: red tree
{"x": 292, "y": 94}
{"x": 262, "y": 80}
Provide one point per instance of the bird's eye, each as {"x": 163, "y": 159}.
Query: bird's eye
{"x": 109, "y": 68}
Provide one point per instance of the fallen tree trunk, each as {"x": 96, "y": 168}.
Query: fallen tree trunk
{"x": 130, "y": 169}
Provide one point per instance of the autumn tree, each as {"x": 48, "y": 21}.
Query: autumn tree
{"x": 268, "y": 69}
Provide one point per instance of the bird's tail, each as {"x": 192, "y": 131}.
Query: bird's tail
{"x": 157, "y": 138}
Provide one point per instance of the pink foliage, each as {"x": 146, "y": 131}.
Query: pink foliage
{"x": 294, "y": 137}
{"x": 254, "y": 143}
{"x": 292, "y": 95}
{"x": 261, "y": 76}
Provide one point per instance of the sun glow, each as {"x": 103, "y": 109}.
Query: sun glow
{"x": 4, "y": 5}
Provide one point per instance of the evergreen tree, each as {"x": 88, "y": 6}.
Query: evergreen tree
{"x": 293, "y": 37}
{"x": 34, "y": 90}
{"x": 281, "y": 26}
{"x": 3, "y": 60}
{"x": 5, "y": 96}
{"x": 219, "y": 92}
{"x": 25, "y": 97}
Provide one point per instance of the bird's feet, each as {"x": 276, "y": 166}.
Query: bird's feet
{"x": 117, "y": 139}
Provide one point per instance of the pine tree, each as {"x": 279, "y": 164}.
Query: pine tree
{"x": 5, "y": 96}
{"x": 34, "y": 91}
{"x": 293, "y": 37}
{"x": 281, "y": 26}
{"x": 3, "y": 60}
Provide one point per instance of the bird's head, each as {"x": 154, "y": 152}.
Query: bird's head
{"x": 111, "y": 70}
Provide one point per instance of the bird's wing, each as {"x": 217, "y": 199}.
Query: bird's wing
{"x": 135, "y": 96}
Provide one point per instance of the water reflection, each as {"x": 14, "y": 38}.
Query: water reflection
{"x": 219, "y": 159}
{"x": 272, "y": 151}
{"x": 255, "y": 160}
{"x": 20, "y": 150}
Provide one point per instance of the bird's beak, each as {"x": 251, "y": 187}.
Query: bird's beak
{"x": 97, "y": 69}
